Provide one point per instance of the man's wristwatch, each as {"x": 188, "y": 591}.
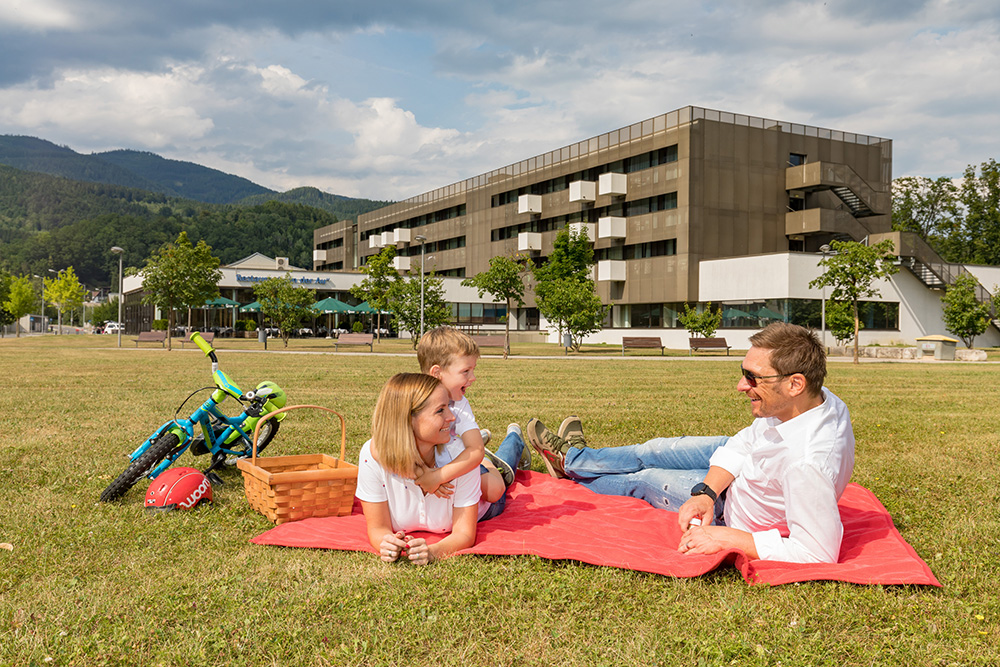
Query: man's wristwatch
{"x": 702, "y": 489}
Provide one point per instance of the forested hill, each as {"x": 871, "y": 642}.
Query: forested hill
{"x": 51, "y": 222}
{"x": 345, "y": 208}
{"x": 172, "y": 178}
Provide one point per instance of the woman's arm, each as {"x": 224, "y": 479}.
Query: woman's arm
{"x": 380, "y": 534}
{"x": 463, "y": 535}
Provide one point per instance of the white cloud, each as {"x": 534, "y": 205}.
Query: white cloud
{"x": 37, "y": 15}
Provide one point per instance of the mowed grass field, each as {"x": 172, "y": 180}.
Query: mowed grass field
{"x": 86, "y": 583}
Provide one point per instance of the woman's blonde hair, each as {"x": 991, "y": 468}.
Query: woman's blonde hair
{"x": 393, "y": 444}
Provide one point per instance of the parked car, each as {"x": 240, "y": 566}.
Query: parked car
{"x": 113, "y": 327}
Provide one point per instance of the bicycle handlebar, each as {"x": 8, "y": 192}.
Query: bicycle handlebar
{"x": 203, "y": 345}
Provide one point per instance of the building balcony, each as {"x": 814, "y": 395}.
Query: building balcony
{"x": 824, "y": 221}
{"x": 319, "y": 256}
{"x": 583, "y": 191}
{"x": 388, "y": 239}
{"x": 375, "y": 241}
{"x": 611, "y": 227}
{"x": 401, "y": 263}
{"x": 529, "y": 204}
{"x": 587, "y": 228}
{"x": 611, "y": 270}
{"x": 613, "y": 184}
{"x": 527, "y": 241}
{"x": 402, "y": 235}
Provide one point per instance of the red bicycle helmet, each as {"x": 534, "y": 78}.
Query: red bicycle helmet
{"x": 178, "y": 488}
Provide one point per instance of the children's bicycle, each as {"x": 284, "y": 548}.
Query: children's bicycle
{"x": 227, "y": 439}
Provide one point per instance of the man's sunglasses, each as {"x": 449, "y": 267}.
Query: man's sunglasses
{"x": 752, "y": 377}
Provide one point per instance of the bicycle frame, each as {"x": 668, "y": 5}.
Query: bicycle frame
{"x": 237, "y": 428}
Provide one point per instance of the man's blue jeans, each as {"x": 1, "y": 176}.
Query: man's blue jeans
{"x": 509, "y": 451}
{"x": 660, "y": 471}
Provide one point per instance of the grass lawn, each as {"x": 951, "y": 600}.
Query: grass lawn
{"x": 87, "y": 583}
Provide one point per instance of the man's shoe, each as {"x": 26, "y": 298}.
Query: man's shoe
{"x": 550, "y": 446}
{"x": 485, "y": 432}
{"x": 571, "y": 430}
{"x": 525, "y": 462}
{"x": 505, "y": 470}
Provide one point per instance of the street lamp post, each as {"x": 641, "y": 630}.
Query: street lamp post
{"x": 119, "y": 251}
{"x": 825, "y": 250}
{"x": 421, "y": 239}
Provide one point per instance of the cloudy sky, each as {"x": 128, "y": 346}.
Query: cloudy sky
{"x": 386, "y": 100}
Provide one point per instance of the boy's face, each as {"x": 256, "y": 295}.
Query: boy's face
{"x": 457, "y": 376}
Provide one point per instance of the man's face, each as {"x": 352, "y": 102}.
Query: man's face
{"x": 770, "y": 398}
{"x": 458, "y": 376}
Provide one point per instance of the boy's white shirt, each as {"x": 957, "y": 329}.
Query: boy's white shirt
{"x": 464, "y": 422}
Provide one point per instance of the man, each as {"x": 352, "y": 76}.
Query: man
{"x": 771, "y": 489}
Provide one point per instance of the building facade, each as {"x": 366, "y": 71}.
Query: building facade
{"x": 675, "y": 206}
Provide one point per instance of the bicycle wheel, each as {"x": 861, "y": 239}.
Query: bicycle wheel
{"x": 140, "y": 466}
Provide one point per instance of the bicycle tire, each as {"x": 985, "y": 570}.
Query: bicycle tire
{"x": 140, "y": 466}
{"x": 271, "y": 428}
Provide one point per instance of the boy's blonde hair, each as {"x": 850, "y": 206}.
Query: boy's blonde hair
{"x": 441, "y": 346}
{"x": 393, "y": 444}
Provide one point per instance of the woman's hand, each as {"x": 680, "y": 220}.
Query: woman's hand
{"x": 392, "y": 546}
{"x": 418, "y": 551}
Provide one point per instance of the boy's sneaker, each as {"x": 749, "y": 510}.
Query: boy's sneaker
{"x": 502, "y": 466}
{"x": 551, "y": 447}
{"x": 525, "y": 462}
{"x": 571, "y": 430}
{"x": 485, "y": 432}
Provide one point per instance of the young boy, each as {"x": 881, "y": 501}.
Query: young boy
{"x": 451, "y": 356}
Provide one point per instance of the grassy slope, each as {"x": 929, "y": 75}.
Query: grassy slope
{"x": 94, "y": 584}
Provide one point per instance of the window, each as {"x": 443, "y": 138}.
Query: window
{"x": 796, "y": 159}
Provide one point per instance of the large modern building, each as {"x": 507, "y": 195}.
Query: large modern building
{"x": 692, "y": 206}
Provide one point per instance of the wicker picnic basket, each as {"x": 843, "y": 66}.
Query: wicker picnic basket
{"x": 290, "y": 488}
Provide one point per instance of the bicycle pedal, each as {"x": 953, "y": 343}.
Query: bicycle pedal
{"x": 214, "y": 479}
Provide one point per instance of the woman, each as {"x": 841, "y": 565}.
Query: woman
{"x": 410, "y": 426}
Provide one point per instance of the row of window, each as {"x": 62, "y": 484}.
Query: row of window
{"x": 664, "y": 202}
{"x": 478, "y": 313}
{"x": 638, "y": 250}
{"x": 877, "y": 315}
{"x": 627, "y": 165}
{"x": 431, "y": 247}
{"x": 419, "y": 221}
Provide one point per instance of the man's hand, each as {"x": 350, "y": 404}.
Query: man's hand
{"x": 697, "y": 507}
{"x": 713, "y": 539}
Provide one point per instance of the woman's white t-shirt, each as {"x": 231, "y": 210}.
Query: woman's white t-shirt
{"x": 409, "y": 508}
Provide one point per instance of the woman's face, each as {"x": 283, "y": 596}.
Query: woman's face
{"x": 432, "y": 425}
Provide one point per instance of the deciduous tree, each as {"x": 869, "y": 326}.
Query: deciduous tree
{"x": 378, "y": 284}
{"x": 503, "y": 280}
{"x": 180, "y": 275}
{"x": 404, "y": 304}
{"x": 286, "y": 305}
{"x": 21, "y": 298}
{"x": 964, "y": 315}
{"x": 704, "y": 323}
{"x": 64, "y": 292}
{"x": 851, "y": 270}
{"x": 565, "y": 292}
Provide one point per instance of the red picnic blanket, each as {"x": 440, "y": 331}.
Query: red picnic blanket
{"x": 559, "y": 519}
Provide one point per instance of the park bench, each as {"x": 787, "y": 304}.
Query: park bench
{"x": 489, "y": 340}
{"x": 151, "y": 337}
{"x": 353, "y": 339}
{"x": 708, "y": 344}
{"x": 208, "y": 336}
{"x": 642, "y": 343}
